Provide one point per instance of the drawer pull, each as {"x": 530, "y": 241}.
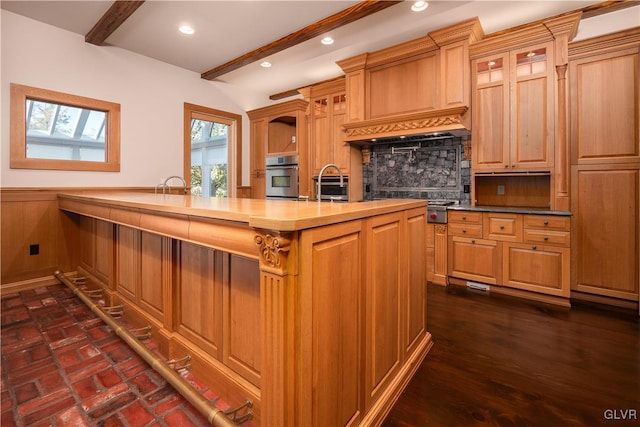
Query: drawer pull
{"x": 546, "y": 238}
{"x": 464, "y": 217}
{"x": 546, "y": 223}
{"x": 534, "y": 247}
{"x": 464, "y": 230}
{"x": 502, "y": 227}
{"x": 473, "y": 241}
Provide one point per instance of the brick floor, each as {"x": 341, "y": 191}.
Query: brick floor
{"x": 63, "y": 366}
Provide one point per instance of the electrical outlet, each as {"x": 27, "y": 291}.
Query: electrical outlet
{"x": 34, "y": 249}
{"x": 500, "y": 190}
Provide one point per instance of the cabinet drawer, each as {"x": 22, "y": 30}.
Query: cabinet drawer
{"x": 507, "y": 227}
{"x": 464, "y": 230}
{"x": 547, "y": 222}
{"x": 547, "y": 237}
{"x": 465, "y": 217}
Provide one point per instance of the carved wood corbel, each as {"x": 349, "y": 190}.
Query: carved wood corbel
{"x": 274, "y": 249}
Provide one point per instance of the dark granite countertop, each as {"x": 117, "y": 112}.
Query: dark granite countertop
{"x": 502, "y": 209}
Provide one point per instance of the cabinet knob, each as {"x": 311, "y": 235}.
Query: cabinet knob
{"x": 546, "y": 238}
{"x": 546, "y": 223}
{"x": 464, "y": 230}
{"x": 473, "y": 241}
{"x": 502, "y": 227}
{"x": 464, "y": 217}
{"x": 534, "y": 247}
{"x": 513, "y": 166}
{"x": 506, "y": 166}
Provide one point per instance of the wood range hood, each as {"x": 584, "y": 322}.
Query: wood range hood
{"x": 416, "y": 90}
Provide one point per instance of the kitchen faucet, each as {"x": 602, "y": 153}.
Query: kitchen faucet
{"x": 319, "y": 188}
{"x": 184, "y": 183}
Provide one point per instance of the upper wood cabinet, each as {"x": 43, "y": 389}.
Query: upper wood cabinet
{"x": 514, "y": 110}
{"x": 519, "y": 104}
{"x": 328, "y": 110}
{"x": 278, "y": 129}
{"x": 605, "y": 112}
{"x": 327, "y": 145}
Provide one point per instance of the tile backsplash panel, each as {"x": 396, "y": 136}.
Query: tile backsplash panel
{"x": 426, "y": 170}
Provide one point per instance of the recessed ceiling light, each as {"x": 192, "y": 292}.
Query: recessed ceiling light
{"x": 265, "y": 64}
{"x": 187, "y": 29}
{"x": 326, "y": 41}
{"x": 419, "y": 6}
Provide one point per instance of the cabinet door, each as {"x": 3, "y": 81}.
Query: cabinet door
{"x": 475, "y": 259}
{"x": 532, "y": 109}
{"x": 606, "y": 218}
{"x": 536, "y": 268}
{"x": 341, "y": 149}
{"x": 490, "y": 113}
{"x": 605, "y": 116}
{"x": 384, "y": 295}
{"x": 322, "y": 135}
{"x": 332, "y": 356}
{"x": 258, "y": 158}
{"x": 440, "y": 252}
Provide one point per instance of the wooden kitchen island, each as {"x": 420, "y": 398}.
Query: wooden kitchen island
{"x": 316, "y": 312}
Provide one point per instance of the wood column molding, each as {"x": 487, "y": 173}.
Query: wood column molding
{"x": 564, "y": 29}
{"x": 562, "y": 146}
{"x": 278, "y": 296}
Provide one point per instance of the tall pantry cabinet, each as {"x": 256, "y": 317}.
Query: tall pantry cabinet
{"x": 605, "y": 166}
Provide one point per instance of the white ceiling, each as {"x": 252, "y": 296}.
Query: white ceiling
{"x": 228, "y": 29}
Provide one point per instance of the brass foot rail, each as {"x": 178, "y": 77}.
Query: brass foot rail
{"x": 214, "y": 415}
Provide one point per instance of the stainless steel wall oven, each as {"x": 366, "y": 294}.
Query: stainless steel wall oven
{"x": 282, "y": 177}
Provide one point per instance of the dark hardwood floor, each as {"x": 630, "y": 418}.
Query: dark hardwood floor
{"x": 501, "y": 361}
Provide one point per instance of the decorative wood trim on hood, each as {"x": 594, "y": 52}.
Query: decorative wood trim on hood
{"x": 449, "y": 120}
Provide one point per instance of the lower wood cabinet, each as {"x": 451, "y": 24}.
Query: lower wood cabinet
{"x": 367, "y": 304}
{"x": 529, "y": 252}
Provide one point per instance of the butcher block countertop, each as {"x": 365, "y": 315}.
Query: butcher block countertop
{"x": 283, "y": 215}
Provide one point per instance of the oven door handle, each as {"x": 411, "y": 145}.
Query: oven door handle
{"x": 282, "y": 167}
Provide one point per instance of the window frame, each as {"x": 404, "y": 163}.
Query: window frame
{"x": 234, "y": 150}
{"x": 18, "y": 137}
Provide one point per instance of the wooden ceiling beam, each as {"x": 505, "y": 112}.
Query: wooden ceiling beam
{"x": 346, "y": 16}
{"x": 119, "y": 12}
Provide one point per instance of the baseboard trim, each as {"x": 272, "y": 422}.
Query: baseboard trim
{"x": 26, "y": 285}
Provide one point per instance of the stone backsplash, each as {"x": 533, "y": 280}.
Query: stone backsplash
{"x": 426, "y": 170}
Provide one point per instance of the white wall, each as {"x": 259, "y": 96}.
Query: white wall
{"x": 151, "y": 95}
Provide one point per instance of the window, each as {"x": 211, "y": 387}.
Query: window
{"x": 212, "y": 143}
{"x": 55, "y": 130}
